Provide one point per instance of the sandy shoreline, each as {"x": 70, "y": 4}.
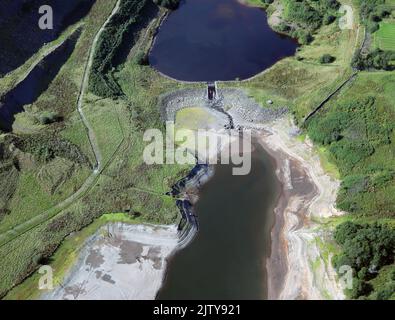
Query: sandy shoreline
{"x": 308, "y": 193}
{"x": 119, "y": 262}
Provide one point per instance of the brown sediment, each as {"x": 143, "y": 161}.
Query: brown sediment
{"x": 307, "y": 191}
{"x": 277, "y": 264}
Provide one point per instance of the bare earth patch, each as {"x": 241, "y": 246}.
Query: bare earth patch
{"x": 120, "y": 262}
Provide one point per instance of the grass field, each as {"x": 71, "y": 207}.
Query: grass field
{"x": 384, "y": 38}
{"x": 377, "y": 201}
{"x": 126, "y": 183}
{"x": 302, "y": 85}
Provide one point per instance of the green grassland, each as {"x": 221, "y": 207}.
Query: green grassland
{"x": 129, "y": 186}
{"x": 384, "y": 38}
{"x": 125, "y": 184}
{"x": 302, "y": 82}
{"x": 363, "y": 114}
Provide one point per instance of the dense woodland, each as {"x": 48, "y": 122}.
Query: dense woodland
{"x": 367, "y": 248}
{"x": 358, "y": 135}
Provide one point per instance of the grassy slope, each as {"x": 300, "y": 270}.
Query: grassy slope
{"x": 21, "y": 255}
{"x": 378, "y": 200}
{"x": 126, "y": 184}
{"x": 384, "y": 38}
{"x": 303, "y": 84}
{"x": 377, "y": 203}
{"x": 31, "y": 198}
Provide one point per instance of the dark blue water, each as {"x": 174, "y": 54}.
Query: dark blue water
{"x": 206, "y": 40}
{"x": 20, "y": 35}
{"x": 227, "y": 259}
{"x": 38, "y": 80}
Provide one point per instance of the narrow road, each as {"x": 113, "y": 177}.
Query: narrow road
{"x": 84, "y": 85}
{"x": 91, "y": 180}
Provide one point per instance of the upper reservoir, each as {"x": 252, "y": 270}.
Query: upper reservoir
{"x": 207, "y": 40}
{"x": 227, "y": 258}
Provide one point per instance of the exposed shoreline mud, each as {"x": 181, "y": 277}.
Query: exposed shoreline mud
{"x": 308, "y": 194}
{"x": 119, "y": 262}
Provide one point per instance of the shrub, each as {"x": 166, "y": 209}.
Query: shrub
{"x": 49, "y": 117}
{"x": 377, "y": 59}
{"x": 360, "y": 288}
{"x": 366, "y": 248}
{"x": 327, "y": 58}
{"x": 386, "y": 293}
{"x": 142, "y": 58}
{"x": 304, "y": 37}
{"x": 328, "y": 19}
{"x": 369, "y": 245}
{"x": 169, "y": 4}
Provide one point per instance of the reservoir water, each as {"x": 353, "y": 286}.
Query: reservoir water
{"x": 38, "y": 80}
{"x": 226, "y": 259}
{"x": 207, "y": 40}
{"x": 20, "y": 35}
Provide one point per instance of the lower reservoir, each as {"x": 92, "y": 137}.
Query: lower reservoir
{"x": 227, "y": 258}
